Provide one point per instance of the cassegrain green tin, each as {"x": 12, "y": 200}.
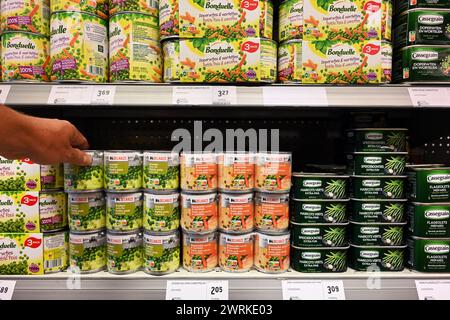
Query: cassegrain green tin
{"x": 377, "y": 258}
{"x": 429, "y": 184}
{"x": 378, "y": 187}
{"x": 377, "y": 163}
{"x": 322, "y": 260}
{"x": 378, "y": 210}
{"x": 319, "y": 211}
{"x": 319, "y": 235}
{"x": 431, "y": 220}
{"x": 319, "y": 186}
{"x": 377, "y": 139}
{"x": 377, "y": 234}
{"x": 429, "y": 255}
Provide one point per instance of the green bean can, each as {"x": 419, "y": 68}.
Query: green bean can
{"x": 87, "y": 211}
{"x": 378, "y": 187}
{"x": 290, "y": 20}
{"x": 319, "y": 211}
{"x": 378, "y": 210}
{"x": 429, "y": 220}
{"x": 162, "y": 253}
{"x": 377, "y": 139}
{"x": 52, "y": 210}
{"x": 85, "y": 178}
{"x": 124, "y": 211}
{"x": 124, "y": 252}
{"x": 319, "y": 186}
{"x": 319, "y": 235}
{"x": 429, "y": 184}
{"x": 87, "y": 251}
{"x": 123, "y": 170}
{"x": 161, "y": 212}
{"x": 56, "y": 251}
{"x": 429, "y": 255}
{"x": 52, "y": 177}
{"x": 320, "y": 260}
{"x": 161, "y": 171}
{"x": 377, "y": 258}
{"x": 377, "y": 163}
{"x": 377, "y": 234}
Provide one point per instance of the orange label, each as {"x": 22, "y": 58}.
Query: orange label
{"x": 276, "y": 168}
{"x": 204, "y": 210}
{"x": 275, "y": 209}
{"x": 241, "y": 209}
{"x": 239, "y": 249}
{"x": 202, "y": 249}
{"x": 243, "y": 168}
{"x": 206, "y": 169}
{"x": 278, "y": 250}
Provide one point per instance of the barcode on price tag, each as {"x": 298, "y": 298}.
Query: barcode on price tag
{"x": 103, "y": 95}
{"x": 197, "y": 290}
{"x": 4, "y": 91}
{"x": 7, "y": 289}
{"x": 313, "y": 290}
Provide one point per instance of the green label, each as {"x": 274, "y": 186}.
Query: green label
{"x": 163, "y": 210}
{"x": 118, "y": 167}
{"x": 79, "y": 209}
{"x": 76, "y": 250}
{"x": 429, "y": 221}
{"x": 155, "y": 251}
{"x": 124, "y": 209}
{"x": 115, "y": 250}
{"x": 158, "y": 167}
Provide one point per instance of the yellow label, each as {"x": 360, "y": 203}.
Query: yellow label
{"x": 21, "y": 253}
{"x": 25, "y": 15}
{"x": 290, "y": 61}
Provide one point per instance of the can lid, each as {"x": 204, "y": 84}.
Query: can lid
{"x": 162, "y": 233}
{"x": 379, "y": 223}
{"x": 378, "y": 247}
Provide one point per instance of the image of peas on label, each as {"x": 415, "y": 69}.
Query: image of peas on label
{"x": 19, "y": 175}
{"x": 142, "y": 6}
{"x": 169, "y": 21}
{"x": 124, "y": 252}
{"x": 25, "y": 15}
{"x": 86, "y": 178}
{"x": 161, "y": 253}
{"x": 124, "y": 211}
{"x": 96, "y": 7}
{"x": 291, "y": 20}
{"x": 290, "y": 61}
{"x": 56, "y": 251}
{"x": 161, "y": 212}
{"x": 87, "y": 251}
{"x": 52, "y": 177}
{"x": 19, "y": 211}
{"x": 123, "y": 170}
{"x": 52, "y": 210}
{"x": 161, "y": 171}
{"x": 86, "y": 211}
{"x": 79, "y": 47}
{"x": 24, "y": 254}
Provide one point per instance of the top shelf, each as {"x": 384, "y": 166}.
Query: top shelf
{"x": 282, "y": 96}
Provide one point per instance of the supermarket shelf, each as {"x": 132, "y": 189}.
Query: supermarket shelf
{"x": 133, "y": 95}
{"x": 252, "y": 285}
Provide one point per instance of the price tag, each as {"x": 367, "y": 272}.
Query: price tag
{"x": 188, "y": 95}
{"x": 103, "y": 95}
{"x": 197, "y": 290}
{"x": 224, "y": 95}
{"x": 313, "y": 290}
{"x": 4, "y": 91}
{"x": 430, "y": 97}
{"x": 71, "y": 95}
{"x": 433, "y": 289}
{"x": 295, "y": 96}
{"x": 7, "y": 289}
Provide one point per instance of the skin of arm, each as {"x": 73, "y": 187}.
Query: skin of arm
{"x": 44, "y": 141}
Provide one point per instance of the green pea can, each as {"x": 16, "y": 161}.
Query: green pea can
{"x": 52, "y": 177}
{"x": 25, "y": 15}
{"x": 124, "y": 252}
{"x": 162, "y": 253}
{"x": 161, "y": 171}
{"x": 290, "y": 20}
{"x": 56, "y": 251}
{"x": 377, "y": 139}
{"x": 320, "y": 260}
{"x": 95, "y": 7}
{"x": 377, "y": 163}
{"x": 377, "y": 258}
{"x": 378, "y": 187}
{"x": 429, "y": 255}
{"x": 377, "y": 234}
{"x": 141, "y": 6}
{"x": 124, "y": 211}
{"x": 378, "y": 210}
{"x": 52, "y": 210}
{"x": 429, "y": 220}
{"x": 319, "y": 235}
{"x": 123, "y": 170}
{"x": 319, "y": 211}
{"x": 429, "y": 184}
{"x": 87, "y": 211}
{"x": 319, "y": 186}
{"x": 85, "y": 178}
{"x": 87, "y": 251}
{"x": 161, "y": 212}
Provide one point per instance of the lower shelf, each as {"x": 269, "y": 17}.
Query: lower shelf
{"x": 251, "y": 285}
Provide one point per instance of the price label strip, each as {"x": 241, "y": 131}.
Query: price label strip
{"x": 430, "y": 97}
{"x": 295, "y": 96}
{"x": 4, "y": 91}
{"x": 70, "y": 95}
{"x": 433, "y": 289}
{"x": 7, "y": 289}
{"x": 103, "y": 95}
{"x": 313, "y": 290}
{"x": 197, "y": 290}
{"x": 204, "y": 95}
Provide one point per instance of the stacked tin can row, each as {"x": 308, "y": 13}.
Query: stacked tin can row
{"x": 377, "y": 227}
{"x": 319, "y": 222}
{"x": 422, "y": 41}
{"x": 429, "y": 218}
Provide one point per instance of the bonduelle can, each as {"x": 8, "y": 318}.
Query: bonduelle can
{"x": 124, "y": 211}
{"x": 161, "y": 212}
{"x": 56, "y": 251}
{"x": 85, "y": 178}
{"x": 290, "y": 20}
{"x": 87, "y": 211}
{"x": 162, "y": 253}
{"x": 272, "y": 252}
{"x": 236, "y": 252}
{"x": 52, "y": 177}
{"x": 290, "y": 61}
{"x": 97, "y": 7}
{"x": 87, "y": 251}
{"x": 124, "y": 252}
{"x": 25, "y": 15}
{"x": 140, "y": 6}
{"x": 123, "y": 170}
{"x": 52, "y": 210}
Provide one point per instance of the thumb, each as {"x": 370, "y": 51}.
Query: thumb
{"x": 78, "y": 157}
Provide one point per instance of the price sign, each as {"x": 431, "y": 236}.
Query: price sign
{"x": 295, "y": 96}
{"x": 4, "y": 91}
{"x": 430, "y": 97}
{"x": 224, "y": 95}
{"x": 7, "y": 289}
{"x": 103, "y": 95}
{"x": 433, "y": 289}
{"x": 313, "y": 290}
{"x": 189, "y": 95}
{"x": 197, "y": 290}
{"x": 71, "y": 95}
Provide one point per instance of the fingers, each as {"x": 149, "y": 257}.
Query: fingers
{"x": 77, "y": 139}
{"x": 78, "y": 157}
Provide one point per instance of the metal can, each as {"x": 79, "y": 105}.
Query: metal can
{"x": 97, "y": 7}
{"x": 236, "y": 212}
{"x": 290, "y": 20}
{"x": 56, "y": 251}
{"x": 272, "y": 252}
{"x": 124, "y": 252}
{"x": 134, "y": 50}
{"x": 87, "y": 251}
{"x": 319, "y": 186}
{"x": 377, "y": 234}
{"x": 319, "y": 259}
{"x": 236, "y": 172}
{"x": 266, "y": 19}
{"x": 85, "y": 178}
{"x": 273, "y": 172}
{"x": 141, "y": 6}
{"x": 162, "y": 253}
{"x": 161, "y": 212}
{"x": 78, "y": 47}
{"x": 319, "y": 211}
{"x": 52, "y": 177}
{"x": 429, "y": 254}
{"x": 377, "y": 163}
{"x": 87, "y": 211}
{"x": 25, "y": 57}
{"x": 290, "y": 61}
{"x": 52, "y": 210}
{"x": 161, "y": 171}
{"x": 236, "y": 252}
{"x": 124, "y": 211}
{"x": 123, "y": 170}
{"x": 25, "y": 15}
{"x": 199, "y": 212}
{"x": 200, "y": 252}
{"x": 363, "y": 258}
{"x": 198, "y": 172}
{"x": 272, "y": 212}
